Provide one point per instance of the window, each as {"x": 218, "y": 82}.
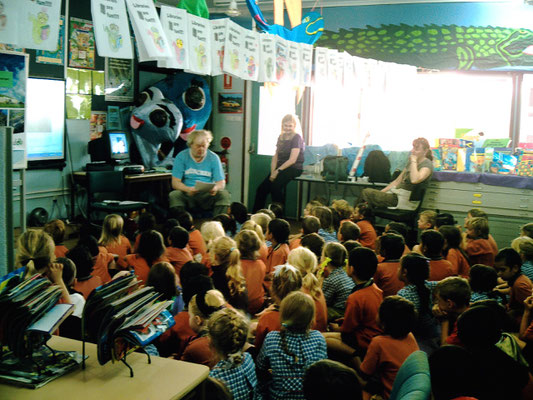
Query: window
{"x": 526, "y": 111}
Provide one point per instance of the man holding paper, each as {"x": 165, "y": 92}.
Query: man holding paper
{"x": 197, "y": 177}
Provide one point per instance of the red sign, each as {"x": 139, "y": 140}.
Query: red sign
{"x": 228, "y": 81}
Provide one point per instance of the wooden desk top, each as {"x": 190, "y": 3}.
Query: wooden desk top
{"x": 358, "y": 182}
{"x": 163, "y": 379}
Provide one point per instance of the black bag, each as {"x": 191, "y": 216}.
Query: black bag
{"x": 377, "y": 167}
{"x": 335, "y": 168}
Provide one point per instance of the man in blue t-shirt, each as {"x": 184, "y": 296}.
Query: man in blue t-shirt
{"x": 192, "y": 167}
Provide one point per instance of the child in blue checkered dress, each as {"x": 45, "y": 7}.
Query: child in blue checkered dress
{"x": 327, "y": 230}
{"x": 286, "y": 354}
{"x": 228, "y": 330}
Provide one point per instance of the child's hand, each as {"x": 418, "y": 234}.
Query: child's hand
{"x": 503, "y": 288}
{"x": 437, "y": 312}
{"x": 55, "y": 273}
{"x": 528, "y": 303}
{"x": 333, "y": 327}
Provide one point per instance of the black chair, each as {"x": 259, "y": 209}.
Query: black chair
{"x": 105, "y": 193}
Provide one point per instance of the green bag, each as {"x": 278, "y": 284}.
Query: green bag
{"x": 335, "y": 168}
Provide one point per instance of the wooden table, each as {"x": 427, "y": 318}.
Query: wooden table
{"x": 163, "y": 379}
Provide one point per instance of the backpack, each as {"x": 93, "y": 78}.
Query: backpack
{"x": 335, "y": 168}
{"x": 377, "y": 167}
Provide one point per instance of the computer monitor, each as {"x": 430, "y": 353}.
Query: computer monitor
{"x": 119, "y": 146}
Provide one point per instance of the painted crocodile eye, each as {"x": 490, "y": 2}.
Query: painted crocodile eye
{"x": 141, "y": 99}
{"x": 158, "y": 118}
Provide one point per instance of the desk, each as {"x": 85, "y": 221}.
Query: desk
{"x": 163, "y": 379}
{"x": 308, "y": 179}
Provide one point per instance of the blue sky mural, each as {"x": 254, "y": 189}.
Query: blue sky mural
{"x": 13, "y": 95}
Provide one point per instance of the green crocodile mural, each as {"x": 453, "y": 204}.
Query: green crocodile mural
{"x": 438, "y": 47}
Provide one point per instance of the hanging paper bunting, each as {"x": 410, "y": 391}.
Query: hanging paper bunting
{"x": 233, "y": 53}
{"x": 151, "y": 40}
{"x": 282, "y": 50}
{"x": 218, "y": 41}
{"x": 199, "y": 45}
{"x": 175, "y": 24}
{"x": 251, "y": 56}
{"x": 9, "y": 23}
{"x": 306, "y": 51}
{"x": 293, "y": 58}
{"x": 348, "y": 69}
{"x": 267, "y": 66}
{"x": 321, "y": 65}
{"x": 39, "y": 24}
{"x": 333, "y": 60}
{"x": 111, "y": 29}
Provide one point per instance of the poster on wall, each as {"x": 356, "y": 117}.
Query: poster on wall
{"x": 321, "y": 65}
{"x": 218, "y": 41}
{"x": 176, "y": 26}
{"x": 293, "y": 61}
{"x": 250, "y": 55}
{"x": 119, "y": 80}
{"x": 267, "y": 66}
{"x": 111, "y": 28}
{"x": 230, "y": 103}
{"x": 9, "y": 23}
{"x": 54, "y": 57}
{"x": 39, "y": 24}
{"x": 282, "y": 49}
{"x": 97, "y": 124}
{"x": 81, "y": 44}
{"x": 306, "y": 51}
{"x": 199, "y": 45}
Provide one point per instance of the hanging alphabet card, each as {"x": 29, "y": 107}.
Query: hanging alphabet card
{"x": 234, "y": 50}
{"x": 282, "y": 64}
{"x": 151, "y": 39}
{"x": 111, "y": 28}
{"x": 199, "y": 45}
{"x": 39, "y": 24}
{"x": 250, "y": 55}
{"x": 321, "y": 65}
{"x": 175, "y": 22}
{"x": 293, "y": 58}
{"x": 306, "y": 60}
{"x": 218, "y": 42}
{"x": 267, "y": 57}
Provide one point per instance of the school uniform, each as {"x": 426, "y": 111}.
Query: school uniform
{"x": 527, "y": 269}
{"x": 521, "y": 289}
{"x": 140, "y": 266}
{"x": 336, "y": 288}
{"x": 328, "y": 236}
{"x": 460, "y": 265}
{"x": 240, "y": 379}
{"x": 122, "y": 247}
{"x": 197, "y": 243}
{"x": 386, "y": 277}
{"x": 268, "y": 322}
{"x": 198, "y": 350}
{"x": 439, "y": 269}
{"x": 480, "y": 251}
{"x": 60, "y": 251}
{"x": 178, "y": 257}
{"x": 86, "y": 286}
{"x": 220, "y": 281}
{"x": 263, "y": 252}
{"x": 276, "y": 256}
{"x": 254, "y": 272}
{"x": 173, "y": 340}
{"x": 368, "y": 234}
{"x": 321, "y": 313}
{"x": 295, "y": 243}
{"x": 101, "y": 264}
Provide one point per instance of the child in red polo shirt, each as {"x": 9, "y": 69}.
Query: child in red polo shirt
{"x": 151, "y": 251}
{"x": 431, "y": 244}
{"x": 145, "y": 223}
{"x": 310, "y": 224}
{"x": 453, "y": 251}
{"x": 177, "y": 253}
{"x": 278, "y": 234}
{"x": 85, "y": 282}
{"x": 363, "y": 216}
{"x": 478, "y": 247}
{"x": 196, "y": 241}
{"x": 391, "y": 247}
{"x": 103, "y": 261}
{"x": 113, "y": 239}
{"x": 352, "y": 338}
{"x": 56, "y": 229}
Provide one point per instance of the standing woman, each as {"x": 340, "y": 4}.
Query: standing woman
{"x": 286, "y": 165}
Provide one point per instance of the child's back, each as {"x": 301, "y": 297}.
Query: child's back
{"x": 386, "y": 277}
{"x": 480, "y": 251}
{"x": 254, "y": 272}
{"x": 121, "y": 247}
{"x": 178, "y": 257}
{"x": 368, "y": 235}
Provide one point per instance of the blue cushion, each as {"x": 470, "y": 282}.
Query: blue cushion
{"x": 413, "y": 380}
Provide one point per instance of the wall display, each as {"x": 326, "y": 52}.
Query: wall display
{"x": 294, "y": 64}
{"x": 230, "y": 103}
{"x": 73, "y": 80}
{"x": 13, "y": 76}
{"x": 333, "y": 61}
{"x": 98, "y": 81}
{"x": 39, "y": 24}
{"x": 218, "y": 41}
{"x": 282, "y": 49}
{"x": 111, "y": 28}
{"x": 152, "y": 43}
{"x": 234, "y": 50}
{"x": 321, "y": 65}
{"x": 54, "y": 57}
{"x": 267, "y": 66}
{"x": 113, "y": 118}
{"x": 119, "y": 80}
{"x": 78, "y": 106}
{"x": 176, "y": 26}
{"x": 97, "y": 124}
{"x": 199, "y": 45}
{"x": 306, "y": 60}
{"x": 81, "y": 44}
{"x": 8, "y": 47}
{"x": 251, "y": 56}
{"x": 9, "y": 23}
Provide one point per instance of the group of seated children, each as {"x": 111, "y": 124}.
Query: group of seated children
{"x": 335, "y": 306}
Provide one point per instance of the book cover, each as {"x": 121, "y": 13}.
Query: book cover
{"x": 52, "y": 319}
{"x": 437, "y": 159}
{"x": 503, "y": 164}
{"x": 449, "y": 158}
{"x": 475, "y": 158}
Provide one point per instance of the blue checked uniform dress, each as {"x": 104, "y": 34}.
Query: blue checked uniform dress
{"x": 409, "y": 292}
{"x": 527, "y": 269}
{"x": 239, "y": 379}
{"x": 337, "y": 287}
{"x": 286, "y": 381}
{"x": 328, "y": 236}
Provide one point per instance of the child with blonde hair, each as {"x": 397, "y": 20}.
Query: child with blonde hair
{"x": 113, "y": 239}
{"x": 343, "y": 208}
{"x": 198, "y": 349}
{"x": 210, "y": 230}
{"x": 523, "y": 245}
{"x": 337, "y": 285}
{"x": 286, "y": 354}
{"x": 253, "y": 269}
{"x": 228, "y": 330}
{"x": 227, "y": 272}
{"x": 306, "y": 262}
{"x": 478, "y": 246}
{"x": 427, "y": 220}
{"x": 479, "y": 213}
{"x": 327, "y": 230}
{"x": 56, "y": 229}
{"x": 262, "y": 220}
{"x": 263, "y": 248}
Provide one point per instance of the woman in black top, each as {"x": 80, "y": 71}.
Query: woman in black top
{"x": 286, "y": 164}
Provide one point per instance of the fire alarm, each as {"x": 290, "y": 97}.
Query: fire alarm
{"x": 225, "y": 142}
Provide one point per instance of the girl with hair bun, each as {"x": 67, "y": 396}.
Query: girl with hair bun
{"x": 228, "y": 330}
{"x": 227, "y": 272}
{"x": 305, "y": 261}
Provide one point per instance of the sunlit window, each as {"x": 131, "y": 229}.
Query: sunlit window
{"x": 526, "y": 112}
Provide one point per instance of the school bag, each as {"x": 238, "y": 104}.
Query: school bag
{"x": 377, "y": 167}
{"x": 335, "y": 168}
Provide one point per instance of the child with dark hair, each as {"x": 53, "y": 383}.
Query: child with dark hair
{"x": 177, "y": 252}
{"x": 85, "y": 282}
{"x": 331, "y": 379}
{"x": 104, "y": 262}
{"x": 349, "y": 245}
{"x": 162, "y": 277}
{"x": 228, "y": 223}
{"x": 150, "y": 251}
{"x": 452, "y": 297}
{"x": 391, "y": 248}
{"x": 286, "y": 354}
{"x": 401, "y": 229}
{"x": 335, "y": 218}
{"x": 239, "y": 213}
{"x": 453, "y": 251}
{"x": 337, "y": 285}
{"x": 326, "y": 231}
{"x": 196, "y": 241}
{"x": 56, "y": 228}
{"x": 483, "y": 280}
{"x": 508, "y": 265}
{"x": 313, "y": 242}
{"x": 478, "y": 246}
{"x": 310, "y": 224}
{"x": 444, "y": 219}
{"x": 387, "y": 352}
{"x": 431, "y": 244}
{"x": 348, "y": 231}
{"x": 278, "y": 234}
{"x": 527, "y": 230}
{"x": 167, "y": 227}
{"x": 69, "y": 278}
{"x": 360, "y": 323}
{"x": 363, "y": 216}
{"x": 277, "y": 209}
{"x": 145, "y": 223}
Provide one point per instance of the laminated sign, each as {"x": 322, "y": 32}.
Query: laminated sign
{"x": 9, "y": 23}
{"x": 38, "y": 24}
{"x": 218, "y": 41}
{"x": 175, "y": 22}
{"x": 234, "y": 50}
{"x": 282, "y": 50}
{"x": 333, "y": 62}
{"x": 293, "y": 56}
{"x": 250, "y": 55}
{"x": 306, "y": 60}
{"x": 151, "y": 40}
{"x": 111, "y": 29}
{"x": 267, "y": 55}
{"x": 199, "y": 45}
{"x": 321, "y": 65}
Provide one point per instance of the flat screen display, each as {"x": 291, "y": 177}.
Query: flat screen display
{"x": 119, "y": 145}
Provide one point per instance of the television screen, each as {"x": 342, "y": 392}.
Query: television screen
{"x": 118, "y": 142}
{"x": 45, "y": 119}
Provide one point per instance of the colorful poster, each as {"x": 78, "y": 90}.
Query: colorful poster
{"x": 175, "y": 23}
{"x": 54, "y": 57}
{"x": 13, "y": 75}
{"x": 250, "y": 55}
{"x": 81, "y": 44}
{"x": 97, "y": 124}
{"x": 199, "y": 45}
{"x": 98, "y": 78}
{"x": 230, "y": 103}
{"x": 218, "y": 41}
{"x": 78, "y": 106}
{"x": 282, "y": 50}
{"x": 111, "y": 28}
{"x": 119, "y": 80}
{"x": 321, "y": 65}
{"x": 306, "y": 52}
{"x": 267, "y": 56}
{"x": 113, "y": 118}
{"x": 294, "y": 63}
{"x": 39, "y": 24}
{"x": 9, "y": 23}
{"x": 233, "y": 51}
{"x": 151, "y": 39}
